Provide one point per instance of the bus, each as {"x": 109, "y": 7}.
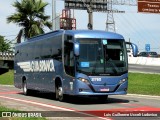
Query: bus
{"x": 73, "y": 62}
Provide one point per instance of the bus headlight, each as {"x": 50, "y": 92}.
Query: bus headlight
{"x": 123, "y": 80}
{"x": 83, "y": 80}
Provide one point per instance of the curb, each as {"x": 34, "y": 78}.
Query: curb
{"x": 151, "y": 96}
{"x": 132, "y": 71}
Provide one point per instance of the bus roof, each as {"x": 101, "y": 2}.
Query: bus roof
{"x": 93, "y": 34}
{"x": 77, "y": 34}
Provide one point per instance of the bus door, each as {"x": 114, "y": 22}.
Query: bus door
{"x": 69, "y": 67}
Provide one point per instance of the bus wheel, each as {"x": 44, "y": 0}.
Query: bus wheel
{"x": 59, "y": 93}
{"x": 25, "y": 89}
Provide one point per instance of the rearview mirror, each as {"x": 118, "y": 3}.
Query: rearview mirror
{"x": 134, "y": 49}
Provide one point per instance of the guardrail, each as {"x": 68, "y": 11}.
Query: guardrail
{"x": 144, "y": 61}
{"x": 6, "y": 56}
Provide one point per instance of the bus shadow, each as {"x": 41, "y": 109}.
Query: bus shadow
{"x": 94, "y": 100}
{"x": 78, "y": 100}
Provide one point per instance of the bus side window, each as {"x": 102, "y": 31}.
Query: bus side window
{"x": 37, "y": 50}
{"x": 58, "y": 55}
{"x": 57, "y": 49}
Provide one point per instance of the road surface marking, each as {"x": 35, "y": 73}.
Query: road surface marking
{"x": 13, "y": 92}
{"x": 52, "y": 106}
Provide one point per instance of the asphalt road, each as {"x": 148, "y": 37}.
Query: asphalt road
{"x": 144, "y": 68}
{"x": 79, "y": 107}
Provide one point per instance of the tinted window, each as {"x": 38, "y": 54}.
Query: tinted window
{"x": 101, "y": 57}
{"x": 153, "y": 53}
{"x": 68, "y": 58}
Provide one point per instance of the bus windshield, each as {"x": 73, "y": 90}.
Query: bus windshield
{"x": 103, "y": 57}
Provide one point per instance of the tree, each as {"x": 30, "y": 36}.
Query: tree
{"x": 31, "y": 17}
{"x": 4, "y": 47}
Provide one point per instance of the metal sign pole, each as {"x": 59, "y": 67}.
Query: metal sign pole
{"x": 53, "y": 15}
{"x": 90, "y": 19}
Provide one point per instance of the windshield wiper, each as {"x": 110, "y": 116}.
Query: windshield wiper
{"x": 95, "y": 65}
{"x": 115, "y": 70}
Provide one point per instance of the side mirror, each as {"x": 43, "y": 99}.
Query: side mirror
{"x": 17, "y": 52}
{"x": 76, "y": 49}
{"x": 134, "y": 49}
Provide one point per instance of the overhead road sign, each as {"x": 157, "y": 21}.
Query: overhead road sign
{"x": 149, "y": 6}
{"x": 96, "y": 5}
{"x": 91, "y": 6}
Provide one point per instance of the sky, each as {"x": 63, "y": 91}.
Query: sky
{"x": 139, "y": 28}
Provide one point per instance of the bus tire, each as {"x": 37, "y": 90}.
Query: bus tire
{"x": 59, "y": 93}
{"x": 25, "y": 89}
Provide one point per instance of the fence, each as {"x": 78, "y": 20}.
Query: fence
{"x": 144, "y": 61}
{"x": 6, "y": 56}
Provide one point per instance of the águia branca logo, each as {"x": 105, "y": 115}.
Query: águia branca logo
{"x": 37, "y": 66}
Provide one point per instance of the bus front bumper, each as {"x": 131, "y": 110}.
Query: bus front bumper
{"x": 102, "y": 90}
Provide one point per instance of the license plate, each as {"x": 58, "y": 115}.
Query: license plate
{"x": 104, "y": 89}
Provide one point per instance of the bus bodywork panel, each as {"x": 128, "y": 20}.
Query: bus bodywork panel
{"x": 37, "y": 60}
{"x": 102, "y": 85}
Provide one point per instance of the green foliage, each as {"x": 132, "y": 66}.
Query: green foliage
{"x": 2, "y": 108}
{"x": 30, "y": 15}
{"x": 147, "y": 84}
{"x": 4, "y": 47}
{"x": 7, "y": 78}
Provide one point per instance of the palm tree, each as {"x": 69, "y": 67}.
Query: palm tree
{"x": 31, "y": 17}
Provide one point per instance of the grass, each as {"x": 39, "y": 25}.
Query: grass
{"x": 147, "y": 84}
{"x": 4, "y": 109}
{"x": 7, "y": 78}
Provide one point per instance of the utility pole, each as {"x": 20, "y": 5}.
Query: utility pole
{"x": 110, "y": 23}
{"x": 90, "y": 16}
{"x": 53, "y": 15}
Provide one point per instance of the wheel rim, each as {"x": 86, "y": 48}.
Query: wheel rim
{"x": 60, "y": 93}
{"x": 24, "y": 88}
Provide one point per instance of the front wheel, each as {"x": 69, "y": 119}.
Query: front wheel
{"x": 59, "y": 93}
